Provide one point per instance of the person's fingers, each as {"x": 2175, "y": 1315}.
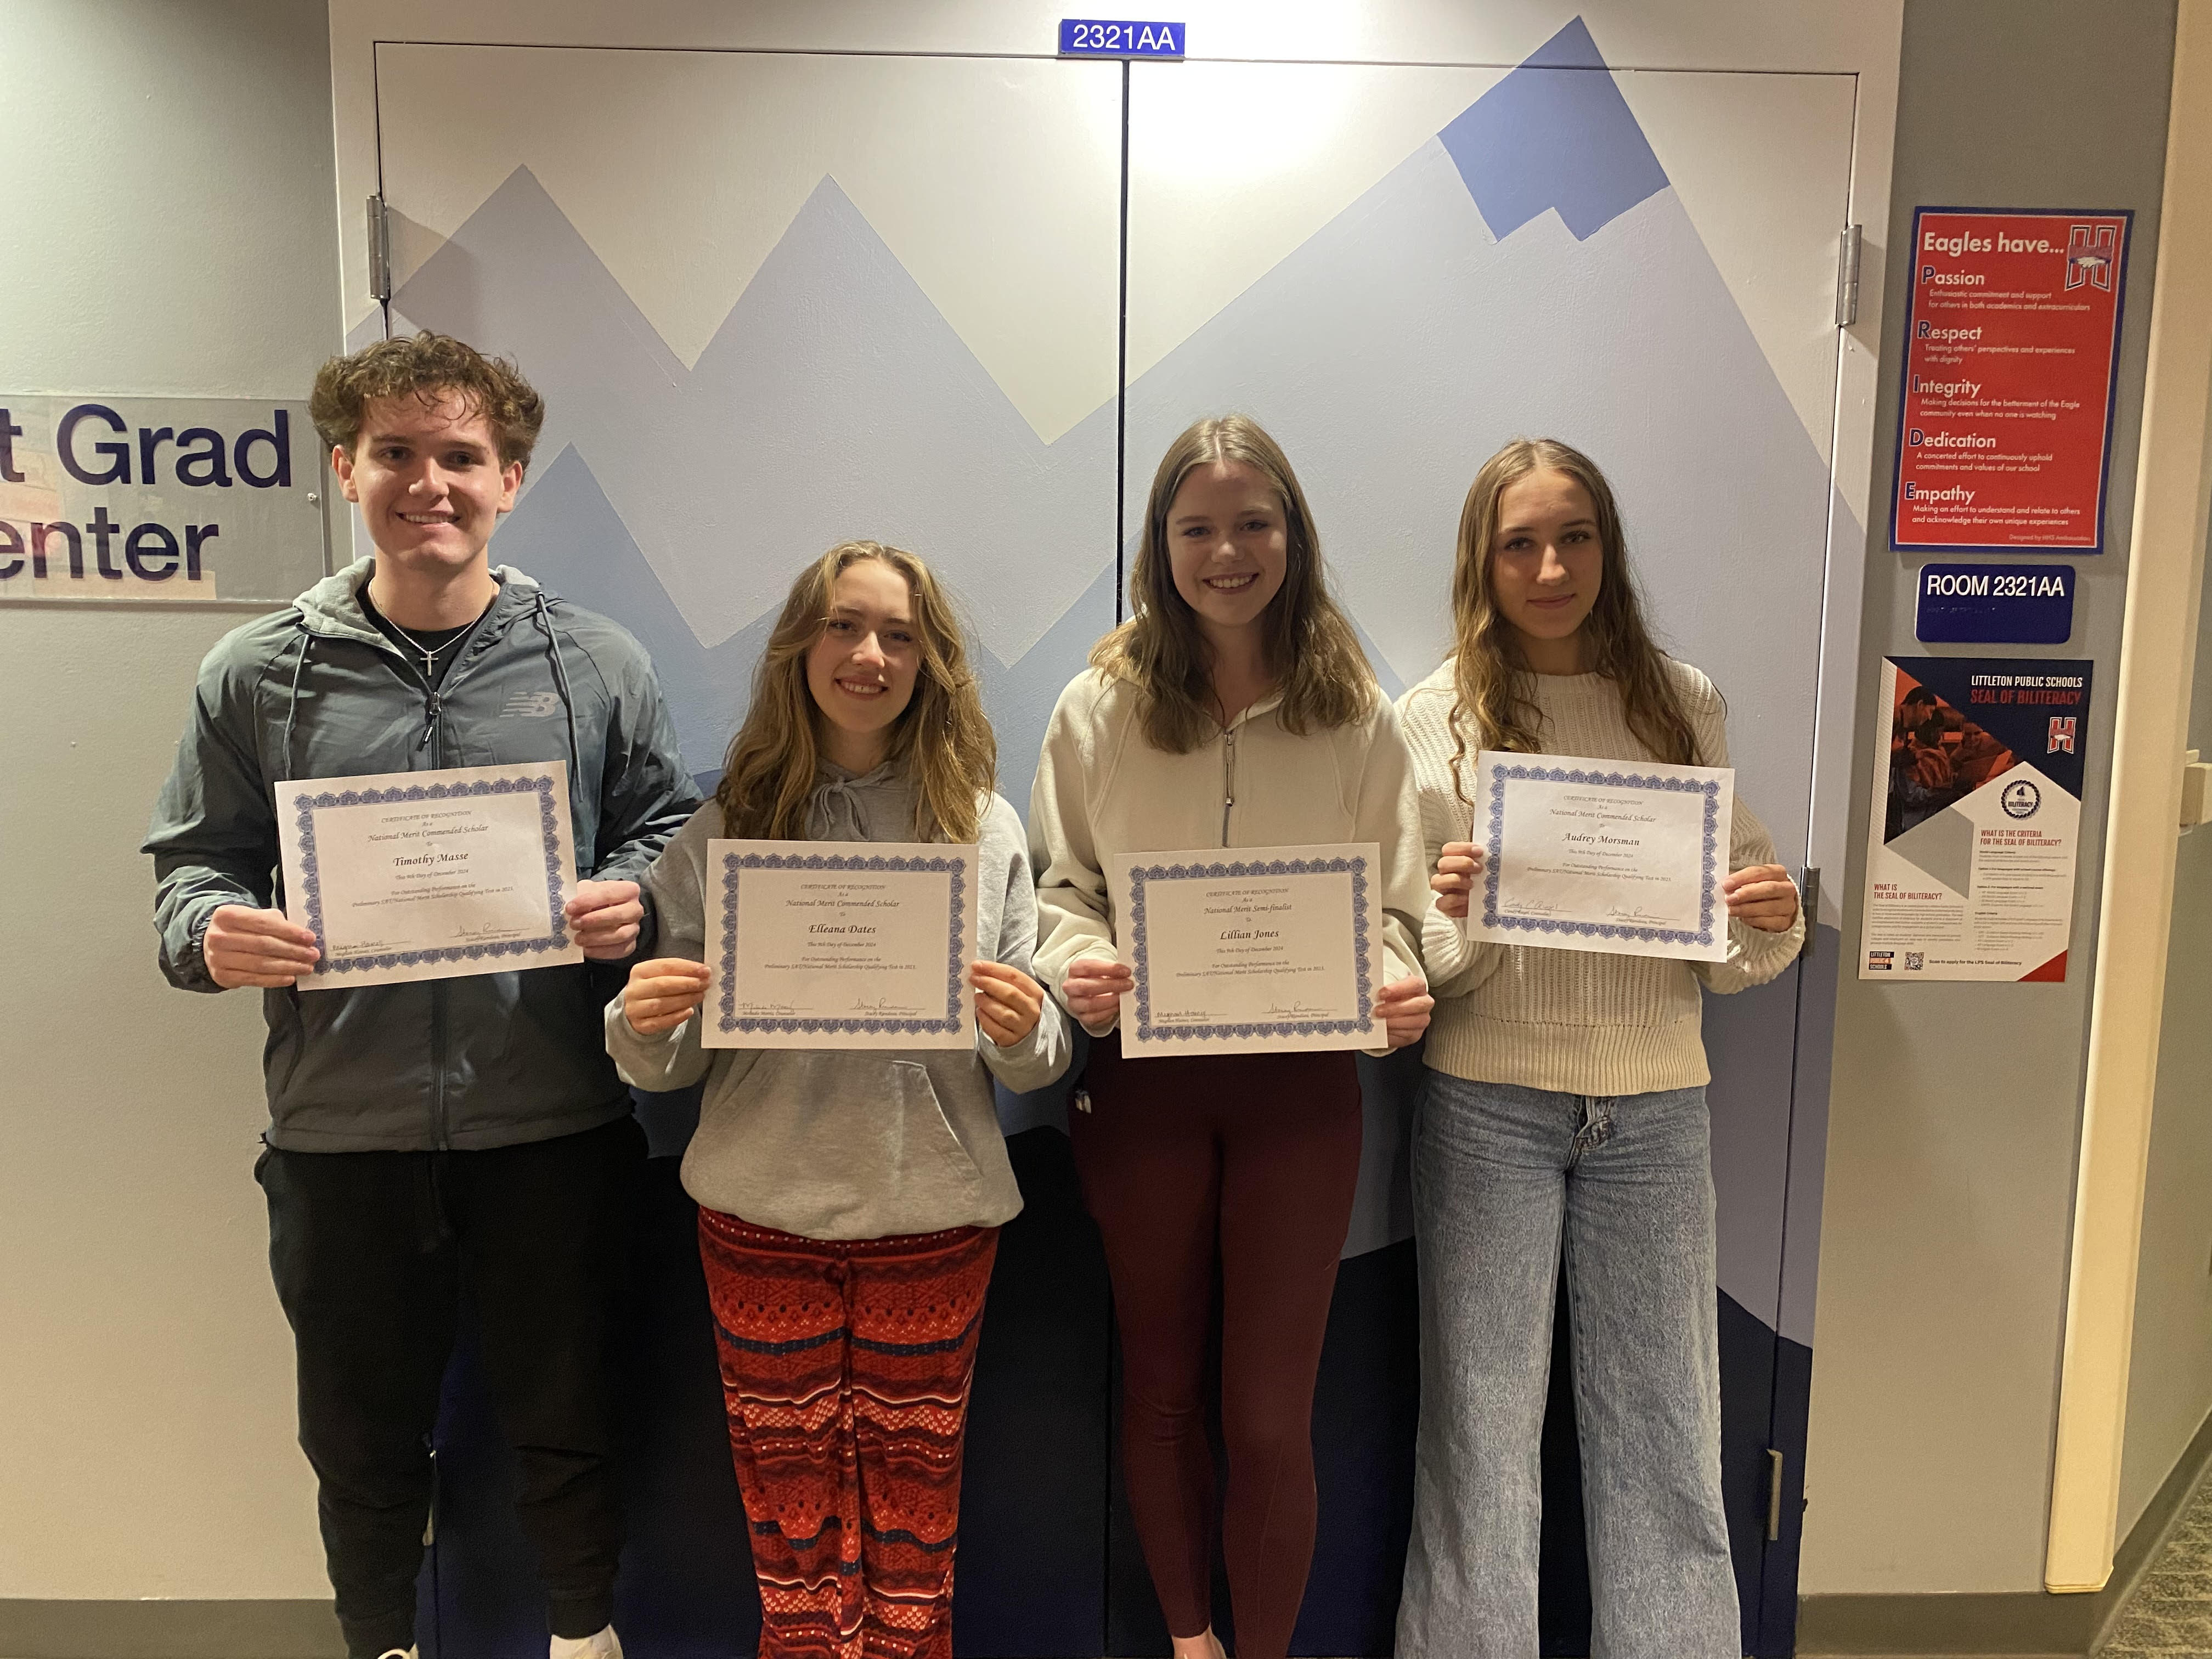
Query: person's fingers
{"x": 1009, "y": 1002}
{"x": 1751, "y": 874}
{"x": 668, "y": 989}
{"x": 257, "y": 952}
{"x": 1102, "y": 972}
{"x": 629, "y": 912}
{"x": 1453, "y": 905}
{"x": 239, "y": 919}
{"x": 671, "y": 968}
{"x": 1096, "y": 990}
{"x": 260, "y": 955}
{"x": 1775, "y": 893}
{"x": 591, "y": 896}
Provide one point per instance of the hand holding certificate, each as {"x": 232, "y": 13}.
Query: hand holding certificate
{"x": 429, "y": 875}
{"x": 1626, "y": 857}
{"x": 840, "y": 944}
{"x": 1250, "y": 949}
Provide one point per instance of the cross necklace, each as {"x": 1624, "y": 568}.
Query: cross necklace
{"x": 430, "y": 653}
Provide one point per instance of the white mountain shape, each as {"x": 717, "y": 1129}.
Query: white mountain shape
{"x": 833, "y": 401}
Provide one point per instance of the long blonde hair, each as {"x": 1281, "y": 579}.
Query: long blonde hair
{"x": 1310, "y": 646}
{"x": 941, "y": 740}
{"x": 1490, "y": 679}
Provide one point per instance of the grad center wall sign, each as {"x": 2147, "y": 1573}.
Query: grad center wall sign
{"x": 175, "y": 499}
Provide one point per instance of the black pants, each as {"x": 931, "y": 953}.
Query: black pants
{"x": 371, "y": 1252}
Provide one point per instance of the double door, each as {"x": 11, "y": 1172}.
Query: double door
{"x": 776, "y": 300}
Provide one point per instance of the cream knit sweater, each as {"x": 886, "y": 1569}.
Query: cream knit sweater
{"x": 1582, "y": 1022}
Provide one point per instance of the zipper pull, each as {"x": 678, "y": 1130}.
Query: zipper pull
{"x": 1228, "y": 780}
{"x": 429, "y": 721}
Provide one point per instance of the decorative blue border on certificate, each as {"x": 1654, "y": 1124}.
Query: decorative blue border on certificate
{"x": 1143, "y": 874}
{"x": 848, "y": 864}
{"x": 556, "y": 923}
{"x": 1709, "y": 788}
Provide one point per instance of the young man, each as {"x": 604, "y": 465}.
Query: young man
{"x": 444, "y": 1134}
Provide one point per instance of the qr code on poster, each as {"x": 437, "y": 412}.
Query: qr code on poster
{"x": 1915, "y": 960}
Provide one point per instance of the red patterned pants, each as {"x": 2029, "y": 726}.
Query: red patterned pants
{"x": 845, "y": 1368}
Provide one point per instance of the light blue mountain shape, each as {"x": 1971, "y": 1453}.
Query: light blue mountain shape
{"x": 567, "y": 535}
{"x": 834, "y": 401}
{"x": 1401, "y": 345}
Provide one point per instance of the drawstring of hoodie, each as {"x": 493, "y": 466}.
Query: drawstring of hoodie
{"x": 834, "y": 814}
{"x": 543, "y": 615}
{"x": 292, "y": 705}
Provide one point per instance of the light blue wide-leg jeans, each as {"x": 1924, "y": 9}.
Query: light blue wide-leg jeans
{"x": 1506, "y": 1181}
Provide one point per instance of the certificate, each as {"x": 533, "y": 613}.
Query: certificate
{"x": 840, "y": 944}
{"x": 429, "y": 875}
{"x": 1244, "y": 952}
{"x": 1602, "y": 855}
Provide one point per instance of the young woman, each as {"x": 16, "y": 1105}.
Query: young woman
{"x": 850, "y": 1200}
{"x": 1566, "y": 1105}
{"x": 1235, "y": 709}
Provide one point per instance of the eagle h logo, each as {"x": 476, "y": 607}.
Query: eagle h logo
{"x": 2092, "y": 251}
{"x": 2061, "y": 734}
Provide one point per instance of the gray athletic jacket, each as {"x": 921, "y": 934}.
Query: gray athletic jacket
{"x": 316, "y": 691}
{"x": 854, "y": 1143}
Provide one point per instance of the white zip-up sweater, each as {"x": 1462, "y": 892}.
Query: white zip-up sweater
{"x": 1582, "y": 1022}
{"x": 1103, "y": 789}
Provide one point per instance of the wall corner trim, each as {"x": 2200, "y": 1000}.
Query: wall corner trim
{"x": 2164, "y": 583}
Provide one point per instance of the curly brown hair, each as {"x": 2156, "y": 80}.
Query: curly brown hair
{"x": 428, "y": 366}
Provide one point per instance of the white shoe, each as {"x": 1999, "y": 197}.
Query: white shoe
{"x": 604, "y": 1645}
{"x": 396, "y": 1653}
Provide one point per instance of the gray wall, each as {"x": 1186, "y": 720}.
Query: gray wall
{"x": 2170, "y": 1375}
{"x": 166, "y": 179}
{"x": 1956, "y": 1108}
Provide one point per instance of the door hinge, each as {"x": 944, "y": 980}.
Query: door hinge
{"x": 1775, "y": 1462}
{"x": 1847, "y": 277}
{"x": 380, "y": 250}
{"x": 1808, "y": 901}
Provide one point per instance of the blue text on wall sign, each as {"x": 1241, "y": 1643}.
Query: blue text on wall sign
{"x": 158, "y": 498}
{"x": 1995, "y": 604}
{"x": 1083, "y": 37}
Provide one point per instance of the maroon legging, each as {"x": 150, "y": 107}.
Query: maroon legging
{"x": 1255, "y": 1157}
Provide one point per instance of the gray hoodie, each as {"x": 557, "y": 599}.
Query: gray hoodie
{"x": 316, "y": 691}
{"x": 850, "y": 1143}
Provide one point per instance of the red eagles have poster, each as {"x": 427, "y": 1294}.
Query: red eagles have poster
{"x": 2005, "y": 427}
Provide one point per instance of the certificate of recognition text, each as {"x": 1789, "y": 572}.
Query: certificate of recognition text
{"x": 429, "y": 875}
{"x": 840, "y": 944}
{"x": 1619, "y": 856}
{"x": 1250, "y": 949}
